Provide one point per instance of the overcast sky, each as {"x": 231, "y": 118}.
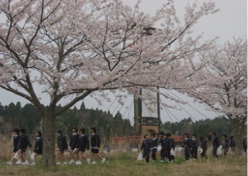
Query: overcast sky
{"x": 229, "y": 22}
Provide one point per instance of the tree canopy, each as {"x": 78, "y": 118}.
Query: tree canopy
{"x": 222, "y": 84}
{"x": 66, "y": 50}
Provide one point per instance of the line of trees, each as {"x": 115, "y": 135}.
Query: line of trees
{"x": 221, "y": 125}
{"x": 28, "y": 117}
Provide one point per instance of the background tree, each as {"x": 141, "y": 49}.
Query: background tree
{"x": 63, "y": 51}
{"x": 221, "y": 125}
{"x": 29, "y": 117}
{"x": 16, "y": 116}
{"x": 223, "y": 85}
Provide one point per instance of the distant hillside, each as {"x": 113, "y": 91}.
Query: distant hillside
{"x": 15, "y": 116}
{"x": 220, "y": 125}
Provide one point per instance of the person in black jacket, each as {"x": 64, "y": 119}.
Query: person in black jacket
{"x": 170, "y": 149}
{"x": 193, "y": 146}
{"x": 23, "y": 144}
{"x": 95, "y": 145}
{"x": 215, "y": 144}
{"x": 62, "y": 147}
{"x": 225, "y": 144}
{"x": 186, "y": 146}
{"x": 146, "y": 147}
{"x": 83, "y": 144}
{"x": 15, "y": 145}
{"x": 203, "y": 147}
{"x": 162, "y": 141}
{"x": 154, "y": 146}
{"x": 37, "y": 146}
{"x": 232, "y": 143}
{"x": 245, "y": 145}
{"x": 73, "y": 145}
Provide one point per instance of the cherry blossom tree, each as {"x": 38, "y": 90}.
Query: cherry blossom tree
{"x": 222, "y": 85}
{"x": 67, "y": 50}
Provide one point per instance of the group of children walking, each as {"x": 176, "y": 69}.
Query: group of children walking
{"x": 21, "y": 143}
{"x": 191, "y": 146}
{"x": 78, "y": 144}
{"x": 150, "y": 145}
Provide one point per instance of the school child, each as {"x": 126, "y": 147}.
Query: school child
{"x": 95, "y": 146}
{"x": 163, "y": 139}
{"x": 37, "y": 146}
{"x": 23, "y": 144}
{"x": 215, "y": 144}
{"x": 62, "y": 147}
{"x": 203, "y": 147}
{"x": 225, "y": 144}
{"x": 186, "y": 146}
{"x": 73, "y": 145}
{"x": 83, "y": 144}
{"x": 145, "y": 147}
{"x": 245, "y": 145}
{"x": 15, "y": 146}
{"x": 193, "y": 146}
{"x": 154, "y": 146}
{"x": 170, "y": 150}
{"x": 232, "y": 143}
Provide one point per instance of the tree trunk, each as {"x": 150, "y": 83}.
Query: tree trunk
{"x": 239, "y": 132}
{"x": 48, "y": 129}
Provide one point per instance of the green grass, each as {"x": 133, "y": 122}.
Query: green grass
{"x": 125, "y": 164}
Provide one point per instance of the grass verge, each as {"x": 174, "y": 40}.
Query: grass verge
{"x": 125, "y": 164}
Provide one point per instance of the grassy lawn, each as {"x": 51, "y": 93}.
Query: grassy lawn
{"x": 125, "y": 164}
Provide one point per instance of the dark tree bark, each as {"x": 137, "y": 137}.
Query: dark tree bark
{"x": 239, "y": 132}
{"x": 48, "y": 128}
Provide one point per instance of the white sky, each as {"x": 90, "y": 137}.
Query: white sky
{"x": 229, "y": 22}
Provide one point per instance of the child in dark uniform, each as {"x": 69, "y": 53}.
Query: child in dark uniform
{"x": 83, "y": 144}
{"x": 162, "y": 141}
{"x": 62, "y": 146}
{"x": 186, "y": 146}
{"x": 145, "y": 147}
{"x": 154, "y": 146}
{"x": 245, "y": 145}
{"x": 24, "y": 143}
{"x": 215, "y": 143}
{"x": 170, "y": 150}
{"x": 37, "y": 146}
{"x": 15, "y": 145}
{"x": 203, "y": 147}
{"x": 95, "y": 145}
{"x": 73, "y": 149}
{"x": 232, "y": 143}
{"x": 225, "y": 144}
{"x": 193, "y": 146}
